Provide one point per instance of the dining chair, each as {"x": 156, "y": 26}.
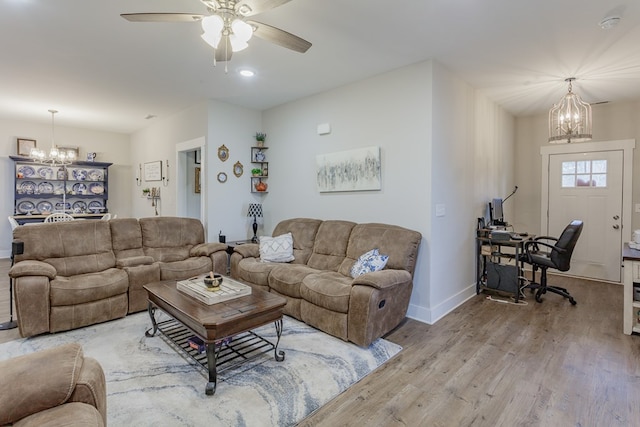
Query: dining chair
{"x": 58, "y": 217}
{"x": 106, "y": 217}
{"x": 14, "y": 223}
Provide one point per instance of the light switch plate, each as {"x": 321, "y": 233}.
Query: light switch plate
{"x": 441, "y": 209}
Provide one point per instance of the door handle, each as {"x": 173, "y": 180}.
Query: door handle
{"x": 616, "y": 217}
{"x": 616, "y": 227}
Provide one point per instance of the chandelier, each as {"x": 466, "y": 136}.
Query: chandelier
{"x": 55, "y": 156}
{"x": 570, "y": 119}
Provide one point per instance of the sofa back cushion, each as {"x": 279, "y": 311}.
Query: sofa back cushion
{"x": 304, "y": 232}
{"x": 126, "y": 238}
{"x": 330, "y": 245}
{"x": 400, "y": 244}
{"x": 169, "y": 239}
{"x": 71, "y": 247}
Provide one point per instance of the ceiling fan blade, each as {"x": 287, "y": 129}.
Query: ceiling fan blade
{"x": 279, "y": 37}
{"x": 224, "y": 51}
{"x": 259, "y": 6}
{"x": 162, "y": 17}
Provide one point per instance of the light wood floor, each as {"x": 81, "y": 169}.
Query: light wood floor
{"x": 495, "y": 364}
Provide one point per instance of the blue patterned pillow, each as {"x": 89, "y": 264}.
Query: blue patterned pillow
{"x": 368, "y": 263}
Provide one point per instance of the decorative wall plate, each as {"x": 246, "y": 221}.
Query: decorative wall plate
{"x": 222, "y": 177}
{"x": 238, "y": 169}
{"x": 223, "y": 153}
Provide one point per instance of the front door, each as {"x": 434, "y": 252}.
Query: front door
{"x": 588, "y": 186}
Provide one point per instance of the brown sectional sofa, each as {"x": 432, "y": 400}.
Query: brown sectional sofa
{"x": 58, "y": 386}
{"x": 78, "y": 273}
{"x": 317, "y": 285}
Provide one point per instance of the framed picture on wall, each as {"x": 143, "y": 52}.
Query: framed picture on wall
{"x": 153, "y": 171}
{"x": 25, "y": 146}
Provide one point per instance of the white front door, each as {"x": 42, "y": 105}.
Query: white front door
{"x": 588, "y": 187}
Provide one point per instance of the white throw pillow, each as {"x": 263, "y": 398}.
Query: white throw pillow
{"x": 276, "y": 249}
{"x": 368, "y": 263}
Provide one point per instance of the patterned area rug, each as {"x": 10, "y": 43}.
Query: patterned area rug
{"x": 150, "y": 384}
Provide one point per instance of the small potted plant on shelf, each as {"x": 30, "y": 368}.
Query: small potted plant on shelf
{"x": 260, "y": 138}
{"x": 256, "y": 171}
{"x": 146, "y": 192}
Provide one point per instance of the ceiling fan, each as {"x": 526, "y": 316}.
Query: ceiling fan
{"x": 226, "y": 28}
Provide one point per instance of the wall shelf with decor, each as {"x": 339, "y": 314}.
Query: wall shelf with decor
{"x": 79, "y": 188}
{"x": 259, "y": 170}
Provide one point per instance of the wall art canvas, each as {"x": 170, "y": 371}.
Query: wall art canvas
{"x": 353, "y": 170}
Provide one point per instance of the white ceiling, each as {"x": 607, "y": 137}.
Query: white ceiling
{"x": 103, "y": 72}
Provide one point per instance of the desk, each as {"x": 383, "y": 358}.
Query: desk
{"x": 493, "y": 274}
{"x": 631, "y": 279}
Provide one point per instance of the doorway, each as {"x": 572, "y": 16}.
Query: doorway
{"x": 591, "y": 182}
{"x": 185, "y": 178}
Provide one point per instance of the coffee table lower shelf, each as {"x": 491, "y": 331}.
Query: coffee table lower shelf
{"x": 224, "y": 354}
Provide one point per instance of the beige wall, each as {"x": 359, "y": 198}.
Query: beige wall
{"x": 615, "y": 121}
{"x": 109, "y": 146}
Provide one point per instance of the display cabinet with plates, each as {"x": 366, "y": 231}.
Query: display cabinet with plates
{"x": 80, "y": 188}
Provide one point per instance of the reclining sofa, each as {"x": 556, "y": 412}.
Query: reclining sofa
{"x": 77, "y": 273}
{"x": 57, "y": 386}
{"x": 318, "y": 285}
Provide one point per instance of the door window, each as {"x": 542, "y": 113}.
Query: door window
{"x": 584, "y": 173}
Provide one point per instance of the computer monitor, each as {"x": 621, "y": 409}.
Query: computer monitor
{"x": 497, "y": 215}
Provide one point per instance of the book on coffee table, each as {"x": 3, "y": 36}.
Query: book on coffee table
{"x": 229, "y": 289}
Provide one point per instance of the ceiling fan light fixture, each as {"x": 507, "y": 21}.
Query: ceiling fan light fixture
{"x": 213, "y": 39}
{"x": 237, "y": 44}
{"x": 242, "y": 30}
{"x": 212, "y": 24}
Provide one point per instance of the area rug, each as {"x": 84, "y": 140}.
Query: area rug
{"x": 150, "y": 384}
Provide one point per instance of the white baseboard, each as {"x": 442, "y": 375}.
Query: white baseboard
{"x": 431, "y": 316}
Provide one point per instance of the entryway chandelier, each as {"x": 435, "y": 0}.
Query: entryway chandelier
{"x": 570, "y": 120}
{"x": 55, "y": 156}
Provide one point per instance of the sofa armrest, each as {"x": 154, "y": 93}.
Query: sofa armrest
{"x": 383, "y": 279}
{"x": 91, "y": 387}
{"x": 206, "y": 249}
{"x": 32, "y": 268}
{"x": 248, "y": 250}
{"x": 38, "y": 381}
{"x": 134, "y": 261}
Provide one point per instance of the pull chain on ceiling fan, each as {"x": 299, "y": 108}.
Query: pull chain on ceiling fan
{"x": 226, "y": 28}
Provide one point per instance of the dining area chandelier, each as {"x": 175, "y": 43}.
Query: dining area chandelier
{"x": 55, "y": 156}
{"x": 570, "y": 119}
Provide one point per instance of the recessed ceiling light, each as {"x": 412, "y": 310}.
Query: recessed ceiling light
{"x": 247, "y": 73}
{"x": 609, "y": 22}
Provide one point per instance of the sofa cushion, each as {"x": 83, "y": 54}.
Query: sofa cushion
{"x": 330, "y": 246}
{"x": 88, "y": 287}
{"x": 368, "y": 263}
{"x": 71, "y": 247}
{"x": 169, "y": 239}
{"x": 329, "y": 289}
{"x": 304, "y": 232}
{"x": 286, "y": 279}
{"x": 69, "y": 414}
{"x": 251, "y": 270}
{"x": 277, "y": 249}
{"x": 190, "y": 267}
{"x": 32, "y": 375}
{"x": 400, "y": 244}
{"x": 126, "y": 238}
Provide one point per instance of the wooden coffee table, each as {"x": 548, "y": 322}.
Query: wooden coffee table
{"x": 225, "y": 328}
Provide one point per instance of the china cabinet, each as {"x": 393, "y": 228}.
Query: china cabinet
{"x": 79, "y": 188}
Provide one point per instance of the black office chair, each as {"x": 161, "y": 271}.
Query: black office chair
{"x": 558, "y": 257}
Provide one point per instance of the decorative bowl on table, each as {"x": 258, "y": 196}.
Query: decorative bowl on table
{"x": 213, "y": 283}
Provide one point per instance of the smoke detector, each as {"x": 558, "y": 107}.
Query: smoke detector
{"x": 610, "y": 22}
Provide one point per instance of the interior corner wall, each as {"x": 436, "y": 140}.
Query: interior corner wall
{"x": 109, "y": 147}
{"x": 235, "y": 128}
{"x": 473, "y": 148}
{"x": 157, "y": 142}
{"x": 611, "y": 122}
{"x": 391, "y": 111}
